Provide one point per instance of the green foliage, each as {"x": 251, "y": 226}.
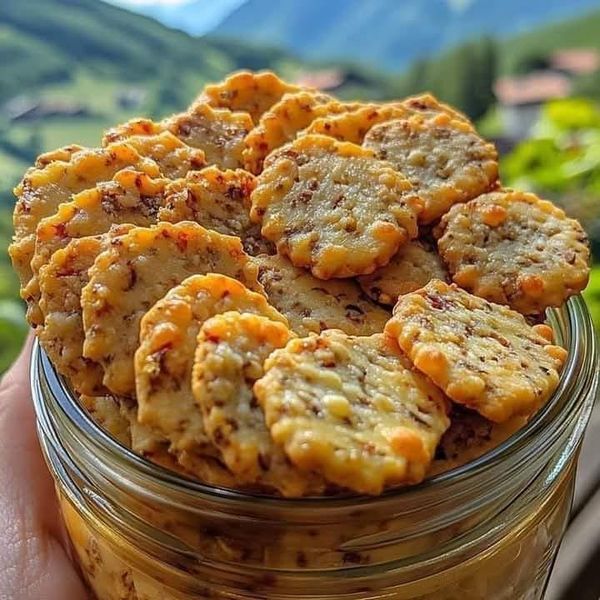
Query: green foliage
{"x": 581, "y": 32}
{"x": 531, "y": 61}
{"x": 592, "y": 296}
{"x": 463, "y": 77}
{"x": 563, "y": 163}
{"x": 12, "y": 321}
{"x": 564, "y": 156}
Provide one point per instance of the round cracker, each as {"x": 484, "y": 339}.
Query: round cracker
{"x": 352, "y": 409}
{"x": 138, "y": 269}
{"x": 514, "y": 248}
{"x": 218, "y": 132}
{"x": 253, "y": 93}
{"x": 232, "y": 348}
{"x": 218, "y": 200}
{"x": 312, "y": 305}
{"x": 483, "y": 355}
{"x": 444, "y": 159}
{"x": 282, "y": 122}
{"x": 333, "y": 207}
{"x": 149, "y": 443}
{"x": 174, "y": 157}
{"x": 354, "y": 124}
{"x": 413, "y": 266}
{"x": 164, "y": 359}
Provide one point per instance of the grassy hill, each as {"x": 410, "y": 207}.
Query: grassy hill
{"x": 580, "y": 32}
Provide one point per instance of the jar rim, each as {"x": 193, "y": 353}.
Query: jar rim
{"x": 572, "y": 325}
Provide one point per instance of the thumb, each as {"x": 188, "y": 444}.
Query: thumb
{"x": 33, "y": 563}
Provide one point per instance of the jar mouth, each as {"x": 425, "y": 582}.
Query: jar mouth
{"x": 573, "y": 329}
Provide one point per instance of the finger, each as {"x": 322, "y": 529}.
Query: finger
{"x": 33, "y": 563}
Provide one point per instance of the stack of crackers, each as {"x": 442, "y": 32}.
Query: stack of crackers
{"x": 281, "y": 292}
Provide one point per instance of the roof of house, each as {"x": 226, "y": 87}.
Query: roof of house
{"x": 534, "y": 88}
{"x": 578, "y": 61}
{"x": 327, "y": 79}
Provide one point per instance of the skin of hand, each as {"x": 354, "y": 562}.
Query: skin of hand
{"x": 34, "y": 564}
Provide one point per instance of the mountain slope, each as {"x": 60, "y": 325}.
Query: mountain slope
{"x": 387, "y": 32}
{"x": 48, "y": 40}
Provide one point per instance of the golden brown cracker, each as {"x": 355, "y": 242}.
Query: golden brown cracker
{"x": 312, "y": 305}
{"x": 444, "y": 159}
{"x": 483, "y": 355}
{"x": 353, "y": 409}
{"x": 514, "y": 248}
{"x": 412, "y": 267}
{"x": 333, "y": 207}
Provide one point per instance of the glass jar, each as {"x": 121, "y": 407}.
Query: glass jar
{"x": 487, "y": 530}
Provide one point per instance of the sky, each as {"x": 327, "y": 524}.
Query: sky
{"x": 203, "y": 16}
{"x": 149, "y": 2}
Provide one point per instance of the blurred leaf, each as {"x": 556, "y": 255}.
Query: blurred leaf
{"x": 572, "y": 114}
{"x": 592, "y": 296}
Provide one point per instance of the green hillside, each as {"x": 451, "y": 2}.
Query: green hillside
{"x": 580, "y": 32}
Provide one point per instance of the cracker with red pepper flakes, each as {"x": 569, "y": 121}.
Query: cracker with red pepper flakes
{"x": 429, "y": 106}
{"x": 164, "y": 359}
{"x": 352, "y": 409}
{"x": 130, "y": 197}
{"x": 333, "y": 207}
{"x": 469, "y": 437}
{"x": 62, "y": 336}
{"x": 232, "y": 348}
{"x": 137, "y": 270}
{"x": 64, "y": 154}
{"x": 282, "y": 122}
{"x": 513, "y": 248}
{"x": 131, "y": 128}
{"x": 445, "y": 159}
{"x": 174, "y": 157}
{"x": 354, "y": 124}
{"x": 218, "y": 132}
{"x": 312, "y": 305}
{"x": 43, "y": 189}
{"x": 253, "y": 93}
{"x": 218, "y": 200}
{"x": 412, "y": 267}
{"x": 482, "y": 355}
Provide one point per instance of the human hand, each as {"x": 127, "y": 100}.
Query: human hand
{"x": 33, "y": 562}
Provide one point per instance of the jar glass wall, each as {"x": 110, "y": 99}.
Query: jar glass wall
{"x": 489, "y": 529}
